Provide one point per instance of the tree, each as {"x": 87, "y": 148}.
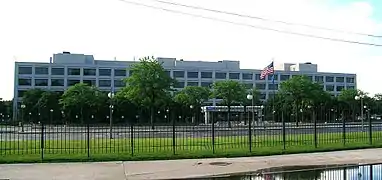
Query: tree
{"x": 230, "y": 92}
{"x": 193, "y": 96}
{"x": 49, "y": 100}
{"x": 82, "y": 97}
{"x": 149, "y": 85}
{"x": 30, "y": 101}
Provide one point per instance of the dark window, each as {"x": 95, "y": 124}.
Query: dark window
{"x": 89, "y": 72}
{"x": 248, "y": 85}
{"x": 220, "y": 75}
{"x": 206, "y": 74}
{"x": 119, "y": 83}
{"x": 247, "y": 76}
{"x": 41, "y": 70}
{"x": 329, "y": 79}
{"x": 168, "y": 73}
{"x": 25, "y": 70}
{"x": 263, "y": 96}
{"x": 120, "y": 72}
{"x": 89, "y": 82}
{"x": 206, "y": 84}
{"x": 340, "y": 79}
{"x": 104, "y": 83}
{"x": 319, "y": 78}
{"x": 257, "y": 77}
{"x": 340, "y": 88}
{"x": 178, "y": 74}
{"x": 58, "y": 71}
{"x": 284, "y": 77}
{"x": 74, "y": 71}
{"x": 350, "y": 79}
{"x": 104, "y": 72}
{"x": 25, "y": 82}
{"x": 270, "y": 77}
{"x": 72, "y": 82}
{"x": 192, "y": 74}
{"x": 234, "y": 75}
{"x": 41, "y": 82}
{"x": 329, "y": 87}
{"x": 261, "y": 86}
{"x": 192, "y": 83}
{"x": 20, "y": 93}
{"x": 273, "y": 86}
{"x": 179, "y": 84}
{"x": 350, "y": 87}
{"x": 57, "y": 82}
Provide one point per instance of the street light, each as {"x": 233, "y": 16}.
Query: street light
{"x": 250, "y": 97}
{"x": 111, "y": 95}
{"x": 360, "y": 98}
{"x": 192, "y": 114}
{"x": 51, "y": 116}
{"x": 22, "y": 117}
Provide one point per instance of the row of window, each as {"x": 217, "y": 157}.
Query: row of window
{"x": 72, "y": 71}
{"x": 176, "y": 74}
{"x": 70, "y": 82}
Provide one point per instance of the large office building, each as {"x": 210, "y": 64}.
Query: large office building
{"x": 66, "y": 69}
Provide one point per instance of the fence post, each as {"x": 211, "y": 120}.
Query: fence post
{"x": 213, "y": 133}
{"x": 88, "y": 135}
{"x": 315, "y": 128}
{"x": 370, "y": 128}
{"x": 132, "y": 137}
{"x": 249, "y": 129}
{"x": 42, "y": 140}
{"x": 283, "y": 129}
{"x": 343, "y": 129}
{"x": 173, "y": 136}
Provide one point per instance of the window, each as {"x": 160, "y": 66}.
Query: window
{"x": 120, "y": 72}
{"x": 20, "y": 93}
{"x": 220, "y": 75}
{"x": 350, "y": 87}
{"x": 284, "y": 77}
{"x": 350, "y": 79}
{"x": 270, "y": 77}
{"x": 57, "y": 82}
{"x": 248, "y": 85}
{"x": 89, "y": 82}
{"x": 234, "y": 75}
{"x": 206, "y": 74}
{"x": 25, "y": 70}
{"x": 192, "y": 83}
{"x": 179, "y": 84}
{"x": 104, "y": 72}
{"x": 25, "y": 82}
{"x": 329, "y": 88}
{"x": 257, "y": 77}
{"x": 329, "y": 79}
{"x": 58, "y": 71}
{"x": 167, "y": 72}
{"x": 247, "y": 76}
{"x": 340, "y": 88}
{"x": 192, "y": 74}
{"x": 119, "y": 83}
{"x": 74, "y": 71}
{"x": 89, "y": 72}
{"x": 72, "y": 82}
{"x": 206, "y": 84}
{"x": 41, "y": 82}
{"x": 273, "y": 86}
{"x": 260, "y": 86}
{"x": 41, "y": 70}
{"x": 340, "y": 79}
{"x": 104, "y": 83}
{"x": 319, "y": 78}
{"x": 178, "y": 74}
{"x": 310, "y": 78}
{"x": 263, "y": 96}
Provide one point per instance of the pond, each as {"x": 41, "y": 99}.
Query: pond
{"x": 344, "y": 172}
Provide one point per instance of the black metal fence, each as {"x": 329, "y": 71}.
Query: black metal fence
{"x": 128, "y": 139}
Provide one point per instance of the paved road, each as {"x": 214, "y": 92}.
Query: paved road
{"x": 78, "y": 133}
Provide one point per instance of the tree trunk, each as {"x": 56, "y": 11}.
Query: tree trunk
{"x": 152, "y": 117}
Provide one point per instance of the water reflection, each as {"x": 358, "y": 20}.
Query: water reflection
{"x": 365, "y": 172}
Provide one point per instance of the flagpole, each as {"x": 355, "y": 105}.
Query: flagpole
{"x": 274, "y": 92}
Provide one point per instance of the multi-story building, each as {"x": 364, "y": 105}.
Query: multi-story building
{"x": 66, "y": 69}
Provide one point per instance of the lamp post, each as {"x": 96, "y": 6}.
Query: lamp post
{"x": 167, "y": 113}
{"x": 22, "y": 117}
{"x": 250, "y": 97}
{"x": 192, "y": 114}
{"x": 51, "y": 116}
{"x": 360, "y": 98}
{"x": 111, "y": 95}
{"x": 30, "y": 117}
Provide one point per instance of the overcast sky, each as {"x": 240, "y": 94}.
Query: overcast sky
{"x": 34, "y": 30}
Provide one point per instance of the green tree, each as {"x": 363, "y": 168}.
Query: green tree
{"x": 193, "y": 96}
{"x": 149, "y": 85}
{"x": 30, "y": 101}
{"x": 230, "y": 92}
{"x": 82, "y": 99}
{"x": 49, "y": 100}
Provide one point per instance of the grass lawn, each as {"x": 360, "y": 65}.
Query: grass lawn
{"x": 162, "y": 148}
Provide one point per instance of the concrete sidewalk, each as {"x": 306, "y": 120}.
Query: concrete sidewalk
{"x": 177, "y": 169}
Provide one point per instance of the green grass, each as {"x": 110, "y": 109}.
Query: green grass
{"x": 162, "y": 148}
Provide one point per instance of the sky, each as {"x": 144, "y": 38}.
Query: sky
{"x": 33, "y": 31}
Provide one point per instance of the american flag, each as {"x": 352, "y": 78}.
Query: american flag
{"x": 267, "y": 70}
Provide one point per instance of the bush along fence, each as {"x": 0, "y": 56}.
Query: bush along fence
{"x": 177, "y": 136}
